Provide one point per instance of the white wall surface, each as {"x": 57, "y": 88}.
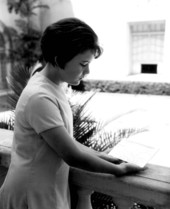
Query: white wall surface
{"x": 110, "y": 19}
{"x": 58, "y": 9}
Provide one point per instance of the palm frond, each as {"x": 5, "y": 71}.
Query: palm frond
{"x": 17, "y": 81}
{"x": 24, "y": 7}
{"x": 104, "y": 140}
{"x": 7, "y": 120}
{"x": 85, "y": 126}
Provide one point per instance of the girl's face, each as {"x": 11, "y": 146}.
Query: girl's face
{"x": 77, "y": 68}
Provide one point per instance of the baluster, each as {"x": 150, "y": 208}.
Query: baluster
{"x": 84, "y": 198}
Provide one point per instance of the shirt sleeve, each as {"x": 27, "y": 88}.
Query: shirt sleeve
{"x": 43, "y": 113}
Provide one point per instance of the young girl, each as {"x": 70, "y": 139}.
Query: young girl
{"x": 43, "y": 145}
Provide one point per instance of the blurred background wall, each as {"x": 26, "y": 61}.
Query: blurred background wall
{"x": 134, "y": 34}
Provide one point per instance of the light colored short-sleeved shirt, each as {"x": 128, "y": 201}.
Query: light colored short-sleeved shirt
{"x": 37, "y": 176}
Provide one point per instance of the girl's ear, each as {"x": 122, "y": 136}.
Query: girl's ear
{"x": 57, "y": 64}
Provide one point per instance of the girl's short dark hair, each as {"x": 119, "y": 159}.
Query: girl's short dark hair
{"x": 66, "y": 38}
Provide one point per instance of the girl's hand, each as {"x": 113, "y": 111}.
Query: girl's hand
{"x": 110, "y": 158}
{"x": 130, "y": 168}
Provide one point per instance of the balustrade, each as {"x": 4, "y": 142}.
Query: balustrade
{"x": 150, "y": 187}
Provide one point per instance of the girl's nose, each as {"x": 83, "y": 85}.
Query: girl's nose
{"x": 87, "y": 70}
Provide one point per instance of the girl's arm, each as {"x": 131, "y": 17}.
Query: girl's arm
{"x": 68, "y": 149}
{"x": 102, "y": 155}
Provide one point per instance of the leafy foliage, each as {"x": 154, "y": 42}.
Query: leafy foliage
{"x": 24, "y": 7}
{"x": 84, "y": 125}
{"x": 26, "y": 49}
{"x": 18, "y": 79}
{"x": 25, "y": 40}
{"x": 7, "y": 120}
{"x": 128, "y": 86}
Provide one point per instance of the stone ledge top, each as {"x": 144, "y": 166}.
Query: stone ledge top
{"x": 6, "y": 137}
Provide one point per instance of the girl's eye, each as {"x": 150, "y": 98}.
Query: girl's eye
{"x": 83, "y": 65}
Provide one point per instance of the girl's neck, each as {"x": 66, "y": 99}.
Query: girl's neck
{"x": 52, "y": 73}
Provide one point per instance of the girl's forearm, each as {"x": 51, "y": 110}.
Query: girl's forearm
{"x": 93, "y": 163}
{"x": 102, "y": 155}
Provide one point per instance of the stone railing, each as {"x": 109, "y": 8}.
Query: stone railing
{"x": 151, "y": 187}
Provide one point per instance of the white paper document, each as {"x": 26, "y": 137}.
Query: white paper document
{"x": 133, "y": 152}
{"x": 6, "y": 138}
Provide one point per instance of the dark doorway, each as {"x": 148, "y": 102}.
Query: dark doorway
{"x": 148, "y": 68}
